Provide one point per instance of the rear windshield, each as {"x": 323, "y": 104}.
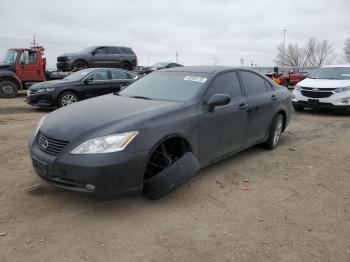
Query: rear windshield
{"x": 338, "y": 73}
{"x": 171, "y": 86}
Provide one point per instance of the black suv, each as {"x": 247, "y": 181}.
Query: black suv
{"x": 98, "y": 56}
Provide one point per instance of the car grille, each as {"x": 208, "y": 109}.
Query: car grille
{"x": 62, "y": 59}
{"x": 51, "y": 145}
{"x": 316, "y": 94}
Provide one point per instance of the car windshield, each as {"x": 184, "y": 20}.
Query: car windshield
{"x": 88, "y": 50}
{"x": 338, "y": 73}
{"x": 171, "y": 86}
{"x": 10, "y": 56}
{"x": 78, "y": 75}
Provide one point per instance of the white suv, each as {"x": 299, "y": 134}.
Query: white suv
{"x": 326, "y": 87}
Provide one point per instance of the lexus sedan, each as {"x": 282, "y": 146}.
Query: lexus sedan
{"x": 84, "y": 84}
{"x": 158, "y": 132}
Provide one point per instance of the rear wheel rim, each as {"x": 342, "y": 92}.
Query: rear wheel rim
{"x": 8, "y": 90}
{"x": 69, "y": 99}
{"x": 278, "y": 132}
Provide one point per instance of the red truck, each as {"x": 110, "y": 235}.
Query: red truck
{"x": 288, "y": 75}
{"x": 22, "y": 67}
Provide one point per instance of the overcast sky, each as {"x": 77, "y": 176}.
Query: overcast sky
{"x": 202, "y": 32}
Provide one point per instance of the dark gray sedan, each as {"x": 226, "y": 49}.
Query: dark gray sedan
{"x": 81, "y": 85}
{"x": 155, "y": 134}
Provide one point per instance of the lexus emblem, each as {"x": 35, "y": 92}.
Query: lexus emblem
{"x": 44, "y": 144}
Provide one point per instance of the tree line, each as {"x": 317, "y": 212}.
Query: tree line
{"x": 314, "y": 53}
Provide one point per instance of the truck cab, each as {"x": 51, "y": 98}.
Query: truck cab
{"x": 20, "y": 68}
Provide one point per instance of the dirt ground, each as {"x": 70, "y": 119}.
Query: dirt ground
{"x": 298, "y": 208}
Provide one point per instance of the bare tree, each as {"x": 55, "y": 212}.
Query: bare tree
{"x": 293, "y": 55}
{"x": 347, "y": 51}
{"x": 313, "y": 54}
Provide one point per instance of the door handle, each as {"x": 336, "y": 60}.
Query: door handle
{"x": 242, "y": 106}
{"x": 273, "y": 97}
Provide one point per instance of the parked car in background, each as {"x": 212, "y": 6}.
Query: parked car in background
{"x": 157, "y": 66}
{"x": 98, "y": 56}
{"x": 293, "y": 75}
{"x": 156, "y": 133}
{"x": 327, "y": 87}
{"x": 84, "y": 84}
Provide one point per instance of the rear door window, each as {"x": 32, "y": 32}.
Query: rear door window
{"x": 253, "y": 83}
{"x": 120, "y": 75}
{"x": 113, "y": 50}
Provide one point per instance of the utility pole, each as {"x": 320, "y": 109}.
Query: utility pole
{"x": 148, "y": 57}
{"x": 242, "y": 62}
{"x": 34, "y": 43}
{"x": 177, "y": 57}
{"x": 283, "y": 48}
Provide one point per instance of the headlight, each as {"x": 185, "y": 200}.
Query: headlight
{"x": 105, "y": 144}
{"x": 342, "y": 89}
{"x": 39, "y": 125}
{"x": 48, "y": 89}
{"x": 298, "y": 87}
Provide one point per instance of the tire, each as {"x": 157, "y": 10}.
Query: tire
{"x": 79, "y": 65}
{"x": 298, "y": 108}
{"x": 275, "y": 132}
{"x": 127, "y": 66}
{"x": 171, "y": 177}
{"x": 8, "y": 89}
{"x": 67, "y": 98}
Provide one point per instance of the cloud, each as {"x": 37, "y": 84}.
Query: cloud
{"x": 202, "y": 32}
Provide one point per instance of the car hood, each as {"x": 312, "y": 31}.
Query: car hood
{"x": 103, "y": 115}
{"x": 52, "y": 83}
{"x": 5, "y": 66}
{"x": 324, "y": 83}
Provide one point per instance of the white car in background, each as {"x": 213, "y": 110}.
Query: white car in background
{"x": 327, "y": 87}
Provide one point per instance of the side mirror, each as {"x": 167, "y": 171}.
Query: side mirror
{"x": 93, "y": 53}
{"x": 88, "y": 80}
{"x": 218, "y": 100}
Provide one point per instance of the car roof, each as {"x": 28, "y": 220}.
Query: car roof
{"x": 345, "y": 65}
{"x": 202, "y": 69}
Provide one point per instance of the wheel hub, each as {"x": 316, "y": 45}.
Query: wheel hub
{"x": 8, "y": 90}
{"x": 278, "y": 132}
{"x": 69, "y": 99}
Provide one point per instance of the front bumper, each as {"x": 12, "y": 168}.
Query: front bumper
{"x": 41, "y": 100}
{"x": 100, "y": 175}
{"x": 335, "y": 101}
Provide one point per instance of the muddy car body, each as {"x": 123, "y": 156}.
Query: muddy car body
{"x": 135, "y": 141}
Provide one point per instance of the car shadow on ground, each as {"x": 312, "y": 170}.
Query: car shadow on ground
{"x": 324, "y": 112}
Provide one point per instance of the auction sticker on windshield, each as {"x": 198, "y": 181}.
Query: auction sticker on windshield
{"x": 196, "y": 79}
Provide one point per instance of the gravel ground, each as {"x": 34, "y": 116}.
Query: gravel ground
{"x": 297, "y": 210}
